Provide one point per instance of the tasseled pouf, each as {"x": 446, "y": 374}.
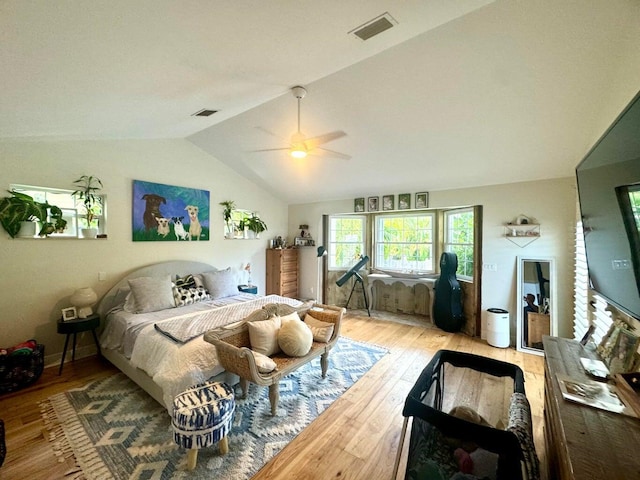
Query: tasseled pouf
{"x": 202, "y": 416}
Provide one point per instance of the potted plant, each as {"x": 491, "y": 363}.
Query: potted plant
{"x": 88, "y": 187}
{"x": 19, "y": 212}
{"x": 229, "y": 207}
{"x": 255, "y": 224}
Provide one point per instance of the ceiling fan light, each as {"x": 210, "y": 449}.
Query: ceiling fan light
{"x": 297, "y": 152}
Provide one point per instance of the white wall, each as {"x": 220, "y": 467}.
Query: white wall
{"x": 550, "y": 202}
{"x": 38, "y": 276}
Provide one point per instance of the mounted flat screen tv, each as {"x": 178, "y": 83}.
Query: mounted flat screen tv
{"x": 609, "y": 191}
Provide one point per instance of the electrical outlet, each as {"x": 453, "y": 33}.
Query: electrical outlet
{"x": 491, "y": 267}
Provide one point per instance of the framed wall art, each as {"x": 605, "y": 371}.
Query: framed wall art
{"x": 358, "y": 205}
{"x": 388, "y": 202}
{"x": 404, "y": 201}
{"x": 373, "y": 204}
{"x": 422, "y": 200}
{"x": 168, "y": 213}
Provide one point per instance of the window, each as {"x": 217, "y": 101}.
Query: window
{"x": 458, "y": 238}
{"x": 346, "y": 240}
{"x": 72, "y": 208}
{"x": 404, "y": 242}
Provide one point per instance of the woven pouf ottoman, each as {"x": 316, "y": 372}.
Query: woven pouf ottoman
{"x": 202, "y": 416}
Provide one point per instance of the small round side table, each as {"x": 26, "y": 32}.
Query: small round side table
{"x": 75, "y": 326}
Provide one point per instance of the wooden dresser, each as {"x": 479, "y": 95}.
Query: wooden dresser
{"x": 282, "y": 272}
{"x": 582, "y": 442}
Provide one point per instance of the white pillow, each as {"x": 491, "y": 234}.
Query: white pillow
{"x": 295, "y": 339}
{"x": 150, "y": 294}
{"x": 263, "y": 335}
{"x": 291, "y": 317}
{"x": 321, "y": 331}
{"x": 264, "y": 363}
{"x": 221, "y": 283}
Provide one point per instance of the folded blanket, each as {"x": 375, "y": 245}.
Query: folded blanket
{"x": 186, "y": 327}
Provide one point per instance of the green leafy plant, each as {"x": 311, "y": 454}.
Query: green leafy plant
{"x": 255, "y": 224}
{"x": 20, "y": 207}
{"x": 229, "y": 207}
{"x": 88, "y": 188}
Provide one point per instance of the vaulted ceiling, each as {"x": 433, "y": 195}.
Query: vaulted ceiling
{"x": 457, "y": 93}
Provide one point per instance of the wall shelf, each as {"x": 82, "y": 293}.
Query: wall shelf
{"x": 522, "y": 235}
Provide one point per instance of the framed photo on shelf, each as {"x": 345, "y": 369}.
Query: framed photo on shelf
{"x": 388, "y": 202}
{"x": 69, "y": 314}
{"x": 623, "y": 351}
{"x": 358, "y": 205}
{"x": 404, "y": 201}
{"x": 373, "y": 204}
{"x": 422, "y": 200}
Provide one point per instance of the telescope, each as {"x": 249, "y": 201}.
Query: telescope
{"x": 353, "y": 272}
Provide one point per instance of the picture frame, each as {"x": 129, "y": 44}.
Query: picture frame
{"x": 388, "y": 202}
{"x": 422, "y": 200}
{"x": 358, "y": 204}
{"x": 373, "y": 204}
{"x": 69, "y": 314}
{"x": 623, "y": 351}
{"x": 404, "y": 201}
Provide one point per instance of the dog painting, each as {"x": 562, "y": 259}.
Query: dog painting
{"x": 169, "y": 213}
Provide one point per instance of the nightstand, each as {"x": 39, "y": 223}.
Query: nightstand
{"x": 248, "y": 288}
{"x": 75, "y": 326}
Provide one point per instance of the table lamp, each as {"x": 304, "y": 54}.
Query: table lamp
{"x": 83, "y": 298}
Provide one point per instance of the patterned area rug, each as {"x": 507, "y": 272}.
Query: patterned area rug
{"x": 115, "y": 430}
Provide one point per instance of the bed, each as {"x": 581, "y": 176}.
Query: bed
{"x": 159, "y": 345}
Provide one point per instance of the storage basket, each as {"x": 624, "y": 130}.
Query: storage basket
{"x": 19, "y": 371}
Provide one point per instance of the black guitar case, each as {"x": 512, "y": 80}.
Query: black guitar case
{"x": 447, "y": 306}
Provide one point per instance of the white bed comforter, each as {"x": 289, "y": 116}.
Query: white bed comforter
{"x": 173, "y": 366}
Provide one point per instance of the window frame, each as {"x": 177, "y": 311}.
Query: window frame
{"x": 332, "y": 245}
{"x": 446, "y": 243}
{"x": 73, "y": 212}
{"x": 376, "y": 243}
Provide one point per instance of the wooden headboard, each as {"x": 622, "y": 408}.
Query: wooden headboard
{"x": 173, "y": 268}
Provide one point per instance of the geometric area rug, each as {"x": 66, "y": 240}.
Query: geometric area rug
{"x": 113, "y": 429}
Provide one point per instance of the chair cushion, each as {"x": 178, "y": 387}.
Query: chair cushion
{"x": 263, "y": 335}
{"x": 264, "y": 363}
{"x": 322, "y": 331}
{"x": 295, "y": 338}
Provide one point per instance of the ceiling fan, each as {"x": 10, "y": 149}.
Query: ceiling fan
{"x": 301, "y": 146}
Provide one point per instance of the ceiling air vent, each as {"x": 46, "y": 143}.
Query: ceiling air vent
{"x": 374, "y": 27}
{"x": 204, "y": 113}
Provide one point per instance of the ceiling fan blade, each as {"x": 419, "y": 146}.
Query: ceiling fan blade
{"x": 322, "y": 139}
{"x": 271, "y": 149}
{"x": 331, "y": 153}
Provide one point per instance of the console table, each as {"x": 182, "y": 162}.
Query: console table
{"x": 582, "y": 442}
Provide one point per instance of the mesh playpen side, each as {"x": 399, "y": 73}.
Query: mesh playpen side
{"x": 435, "y": 435}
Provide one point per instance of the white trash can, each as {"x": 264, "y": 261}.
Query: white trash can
{"x": 498, "y": 327}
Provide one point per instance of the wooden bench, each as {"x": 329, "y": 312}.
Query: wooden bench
{"x": 235, "y": 355}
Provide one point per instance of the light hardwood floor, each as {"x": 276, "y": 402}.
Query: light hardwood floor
{"x": 356, "y": 438}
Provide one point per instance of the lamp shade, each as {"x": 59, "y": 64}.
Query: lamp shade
{"x": 83, "y": 298}
{"x": 321, "y": 251}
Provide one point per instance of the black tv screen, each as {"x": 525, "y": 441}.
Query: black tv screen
{"x": 609, "y": 191}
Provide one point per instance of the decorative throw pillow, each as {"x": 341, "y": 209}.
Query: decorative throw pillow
{"x": 295, "y": 339}
{"x": 264, "y": 363}
{"x": 188, "y": 296}
{"x": 188, "y": 281}
{"x": 151, "y": 294}
{"x": 263, "y": 335}
{"x": 321, "y": 331}
{"x": 291, "y": 317}
{"x": 221, "y": 283}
